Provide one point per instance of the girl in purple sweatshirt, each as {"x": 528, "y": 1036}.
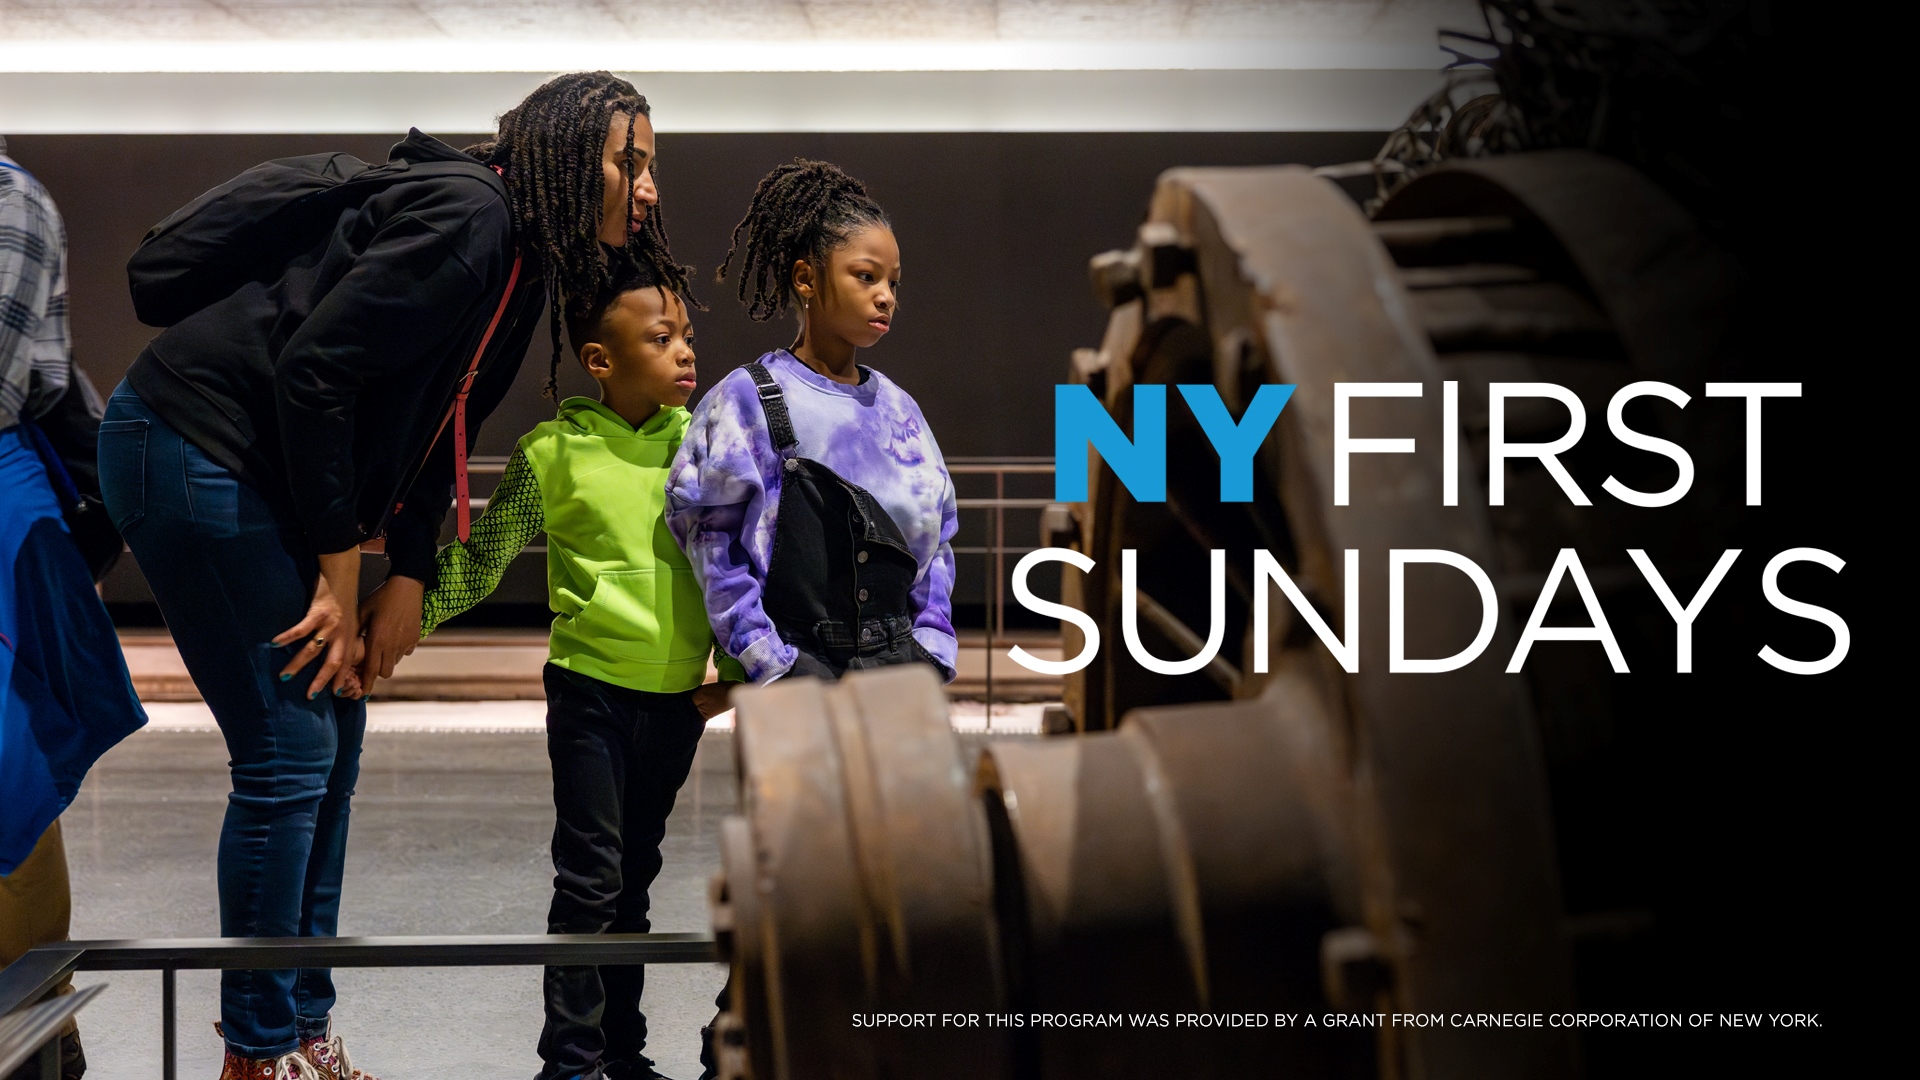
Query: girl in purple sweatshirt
{"x": 809, "y": 494}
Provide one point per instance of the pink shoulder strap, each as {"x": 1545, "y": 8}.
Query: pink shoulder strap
{"x": 463, "y": 510}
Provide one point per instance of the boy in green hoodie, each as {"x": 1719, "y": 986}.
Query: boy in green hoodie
{"x": 626, "y": 704}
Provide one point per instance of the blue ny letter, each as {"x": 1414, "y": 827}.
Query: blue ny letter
{"x": 1236, "y": 443}
{"x": 1140, "y": 464}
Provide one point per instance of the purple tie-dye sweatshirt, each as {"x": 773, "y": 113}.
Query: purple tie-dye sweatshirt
{"x": 723, "y": 498}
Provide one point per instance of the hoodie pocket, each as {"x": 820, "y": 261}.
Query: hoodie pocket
{"x": 645, "y": 616}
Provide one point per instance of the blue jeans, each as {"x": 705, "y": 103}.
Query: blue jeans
{"x": 229, "y": 576}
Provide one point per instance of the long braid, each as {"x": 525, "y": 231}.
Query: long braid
{"x": 800, "y": 211}
{"x": 549, "y": 149}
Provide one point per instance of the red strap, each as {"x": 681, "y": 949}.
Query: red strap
{"x": 463, "y": 523}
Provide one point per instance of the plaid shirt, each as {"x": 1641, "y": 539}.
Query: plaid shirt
{"x": 33, "y": 296}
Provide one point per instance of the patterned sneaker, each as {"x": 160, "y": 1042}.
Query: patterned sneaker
{"x": 285, "y": 1067}
{"x": 329, "y": 1059}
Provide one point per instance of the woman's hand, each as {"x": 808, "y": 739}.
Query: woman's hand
{"x": 331, "y": 628}
{"x": 390, "y": 624}
{"x": 711, "y": 698}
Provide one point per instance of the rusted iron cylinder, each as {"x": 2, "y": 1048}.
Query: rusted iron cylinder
{"x": 856, "y": 884}
{"x": 1188, "y": 865}
{"x": 1560, "y": 267}
{"x": 1091, "y": 917}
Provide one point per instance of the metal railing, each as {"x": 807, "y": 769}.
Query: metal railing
{"x": 35, "y": 1030}
{"x": 996, "y": 549}
{"x": 34, "y": 975}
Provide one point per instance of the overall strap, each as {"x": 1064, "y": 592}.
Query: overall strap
{"x": 779, "y": 424}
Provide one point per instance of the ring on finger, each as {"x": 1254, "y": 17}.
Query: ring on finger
{"x": 319, "y": 642}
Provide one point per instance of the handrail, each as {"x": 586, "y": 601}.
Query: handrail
{"x": 1004, "y": 504}
{"x": 28, "y": 979}
{"x": 487, "y": 464}
{"x": 36, "y": 1029}
{"x": 504, "y": 950}
{"x": 996, "y": 550}
{"x": 34, "y": 975}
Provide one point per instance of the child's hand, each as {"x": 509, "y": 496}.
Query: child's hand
{"x": 711, "y": 699}
{"x": 390, "y": 625}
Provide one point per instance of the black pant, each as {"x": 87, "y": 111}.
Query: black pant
{"x": 619, "y": 757}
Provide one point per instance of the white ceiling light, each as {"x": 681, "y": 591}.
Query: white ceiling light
{"x": 184, "y": 66}
{"x": 897, "y": 101}
{"x": 443, "y": 55}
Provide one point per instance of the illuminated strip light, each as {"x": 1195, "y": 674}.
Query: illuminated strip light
{"x": 713, "y": 55}
{"x": 810, "y": 101}
{"x": 718, "y": 85}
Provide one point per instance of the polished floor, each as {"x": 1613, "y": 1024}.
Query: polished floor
{"x": 450, "y": 830}
{"x": 450, "y": 835}
{"x": 497, "y": 666}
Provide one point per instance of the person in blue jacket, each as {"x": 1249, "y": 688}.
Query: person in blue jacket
{"x": 65, "y": 696}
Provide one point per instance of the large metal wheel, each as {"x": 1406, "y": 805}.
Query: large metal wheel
{"x": 1188, "y": 866}
{"x": 1561, "y": 268}
{"x": 856, "y": 882}
{"x": 1236, "y": 841}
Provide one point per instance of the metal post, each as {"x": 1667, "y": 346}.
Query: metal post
{"x": 990, "y": 594}
{"x": 1000, "y": 551}
{"x": 997, "y": 614}
{"x": 168, "y": 1065}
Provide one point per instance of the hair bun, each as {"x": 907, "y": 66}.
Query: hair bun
{"x": 800, "y": 211}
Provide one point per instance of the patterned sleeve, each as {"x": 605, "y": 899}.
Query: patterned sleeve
{"x": 722, "y": 494}
{"x": 468, "y": 572}
{"x": 33, "y": 299}
{"x": 932, "y": 597}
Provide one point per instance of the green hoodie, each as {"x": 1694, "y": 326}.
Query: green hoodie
{"x": 628, "y": 610}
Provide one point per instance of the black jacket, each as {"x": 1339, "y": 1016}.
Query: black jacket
{"x": 323, "y": 387}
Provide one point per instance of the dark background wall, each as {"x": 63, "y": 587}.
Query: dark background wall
{"x": 995, "y": 231}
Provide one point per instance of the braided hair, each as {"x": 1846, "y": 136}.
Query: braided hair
{"x": 584, "y": 321}
{"x": 549, "y": 150}
{"x": 800, "y": 211}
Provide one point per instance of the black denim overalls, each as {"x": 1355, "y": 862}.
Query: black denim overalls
{"x": 839, "y": 582}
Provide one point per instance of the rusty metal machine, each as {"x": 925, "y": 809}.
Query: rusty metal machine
{"x": 1444, "y": 817}
{"x": 1297, "y": 841}
{"x": 858, "y": 880}
{"x": 1274, "y": 834}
